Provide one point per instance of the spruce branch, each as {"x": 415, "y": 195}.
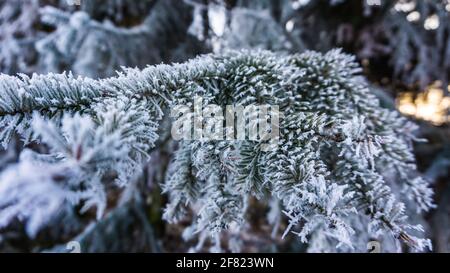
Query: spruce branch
{"x": 334, "y": 141}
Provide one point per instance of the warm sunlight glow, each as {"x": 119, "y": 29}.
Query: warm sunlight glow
{"x": 432, "y": 105}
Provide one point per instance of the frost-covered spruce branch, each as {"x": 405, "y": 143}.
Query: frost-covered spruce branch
{"x": 340, "y": 160}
